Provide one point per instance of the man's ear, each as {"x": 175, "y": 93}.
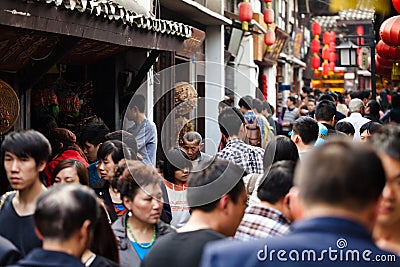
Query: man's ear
{"x": 297, "y": 139}
{"x": 98, "y": 146}
{"x": 85, "y": 235}
{"x": 41, "y": 166}
{"x": 223, "y": 203}
{"x": 201, "y": 146}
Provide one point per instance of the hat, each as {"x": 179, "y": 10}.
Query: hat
{"x": 64, "y": 136}
{"x": 355, "y": 105}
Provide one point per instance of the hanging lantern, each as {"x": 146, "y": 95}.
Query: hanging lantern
{"x": 396, "y": 4}
{"x": 315, "y": 45}
{"x": 332, "y": 57}
{"x": 332, "y": 66}
{"x": 382, "y": 70}
{"x": 269, "y": 37}
{"x": 325, "y": 68}
{"x": 333, "y": 37}
{"x": 315, "y": 62}
{"x": 326, "y": 38}
{"x": 332, "y": 46}
{"x": 390, "y": 31}
{"x": 360, "y": 30}
{"x": 325, "y": 52}
{"x": 384, "y": 62}
{"x": 386, "y": 51}
{"x": 316, "y": 29}
{"x": 269, "y": 16}
{"x": 245, "y": 14}
{"x": 267, "y": 1}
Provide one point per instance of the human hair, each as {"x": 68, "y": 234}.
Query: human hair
{"x": 224, "y": 104}
{"x": 356, "y": 105}
{"x": 132, "y": 175}
{"x": 326, "y": 97}
{"x": 345, "y": 127}
{"x": 225, "y": 177}
{"x": 246, "y": 102}
{"x": 396, "y": 100}
{"x": 333, "y": 95}
{"x": 277, "y": 182}
{"x": 267, "y": 106}
{"x": 371, "y": 127}
{"x": 387, "y": 140}
{"x": 62, "y": 210}
{"x": 78, "y": 166}
{"x": 27, "y": 143}
{"x": 94, "y": 133}
{"x": 176, "y": 159}
{"x": 325, "y": 110}
{"x": 307, "y": 128}
{"x": 258, "y": 105}
{"x": 138, "y": 101}
{"x": 104, "y": 241}
{"x": 230, "y": 120}
{"x": 193, "y": 136}
{"x": 355, "y": 178}
{"x": 117, "y": 149}
{"x": 127, "y": 138}
{"x": 62, "y": 139}
{"x": 280, "y": 148}
{"x": 293, "y": 99}
{"x": 374, "y": 107}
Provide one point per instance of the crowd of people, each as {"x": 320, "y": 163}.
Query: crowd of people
{"x": 316, "y": 183}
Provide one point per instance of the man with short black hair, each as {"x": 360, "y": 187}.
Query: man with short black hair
{"x": 65, "y": 216}
{"x": 325, "y": 113}
{"x": 25, "y": 155}
{"x": 272, "y": 217}
{"x": 287, "y": 116}
{"x": 232, "y": 126}
{"x": 144, "y": 130}
{"x": 217, "y": 198}
{"x": 304, "y": 134}
{"x": 339, "y": 185}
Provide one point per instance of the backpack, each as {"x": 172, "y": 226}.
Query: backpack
{"x": 253, "y": 133}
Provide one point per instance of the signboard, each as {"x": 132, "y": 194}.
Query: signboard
{"x": 363, "y": 58}
{"x": 297, "y": 42}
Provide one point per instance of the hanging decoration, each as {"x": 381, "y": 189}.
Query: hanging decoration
{"x": 245, "y": 14}
{"x": 316, "y": 46}
{"x": 269, "y": 17}
{"x": 9, "y": 107}
{"x": 326, "y": 51}
{"x": 396, "y": 4}
{"x": 390, "y": 31}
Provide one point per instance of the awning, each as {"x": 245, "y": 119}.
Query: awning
{"x": 196, "y": 12}
{"x": 108, "y": 22}
{"x": 292, "y": 59}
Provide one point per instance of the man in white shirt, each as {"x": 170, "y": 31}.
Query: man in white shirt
{"x": 356, "y": 107}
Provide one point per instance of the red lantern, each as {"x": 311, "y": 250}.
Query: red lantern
{"x": 245, "y": 14}
{"x": 380, "y": 69}
{"x": 396, "y": 4}
{"x": 360, "y": 30}
{"x": 269, "y": 37}
{"x": 386, "y": 51}
{"x": 390, "y": 31}
{"x": 332, "y": 57}
{"x": 267, "y": 1}
{"x": 316, "y": 29}
{"x": 315, "y": 62}
{"x": 332, "y": 66}
{"x": 325, "y": 68}
{"x": 315, "y": 45}
{"x": 332, "y": 46}
{"x": 269, "y": 16}
{"x": 326, "y": 38}
{"x": 333, "y": 37}
{"x": 325, "y": 52}
{"x": 384, "y": 62}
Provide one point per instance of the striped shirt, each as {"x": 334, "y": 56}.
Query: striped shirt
{"x": 259, "y": 222}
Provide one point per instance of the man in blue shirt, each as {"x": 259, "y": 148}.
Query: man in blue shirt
{"x": 339, "y": 184}
{"x": 144, "y": 130}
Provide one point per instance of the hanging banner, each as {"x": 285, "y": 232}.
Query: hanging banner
{"x": 297, "y": 42}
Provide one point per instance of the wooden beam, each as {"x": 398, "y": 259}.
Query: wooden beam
{"x": 31, "y": 75}
{"x": 143, "y": 70}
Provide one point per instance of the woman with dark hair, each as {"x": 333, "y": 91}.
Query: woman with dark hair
{"x": 70, "y": 171}
{"x": 176, "y": 171}
{"x": 372, "y": 111}
{"x": 63, "y": 146}
{"x": 280, "y": 148}
{"x": 137, "y": 230}
{"x": 109, "y": 155}
{"x": 393, "y": 114}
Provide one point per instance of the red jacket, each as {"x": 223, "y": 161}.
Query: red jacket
{"x": 67, "y": 154}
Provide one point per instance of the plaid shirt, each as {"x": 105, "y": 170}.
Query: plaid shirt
{"x": 250, "y": 158}
{"x": 259, "y": 222}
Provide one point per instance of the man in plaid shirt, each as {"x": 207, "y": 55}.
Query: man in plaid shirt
{"x": 232, "y": 125}
{"x": 272, "y": 217}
